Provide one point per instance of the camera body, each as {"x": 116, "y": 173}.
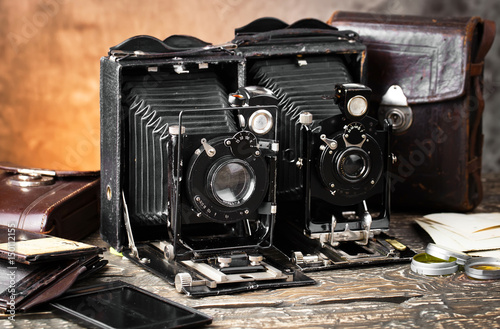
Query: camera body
{"x": 226, "y": 196}
{"x": 346, "y": 159}
{"x": 334, "y": 159}
{"x": 145, "y": 152}
{"x": 199, "y": 170}
{"x": 189, "y": 167}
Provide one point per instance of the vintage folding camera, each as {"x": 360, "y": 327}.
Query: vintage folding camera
{"x": 189, "y": 165}
{"x": 333, "y": 182}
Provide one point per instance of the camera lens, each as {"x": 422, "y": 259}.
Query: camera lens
{"x": 224, "y": 188}
{"x": 232, "y": 182}
{"x": 353, "y": 164}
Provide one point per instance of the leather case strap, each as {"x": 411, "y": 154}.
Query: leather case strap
{"x": 476, "y": 71}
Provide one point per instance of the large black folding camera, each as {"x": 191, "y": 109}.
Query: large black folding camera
{"x": 189, "y": 165}
{"x": 228, "y": 168}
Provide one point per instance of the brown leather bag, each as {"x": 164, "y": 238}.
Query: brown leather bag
{"x": 61, "y": 203}
{"x": 427, "y": 76}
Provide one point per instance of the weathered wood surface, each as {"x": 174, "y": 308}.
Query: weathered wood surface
{"x": 389, "y": 296}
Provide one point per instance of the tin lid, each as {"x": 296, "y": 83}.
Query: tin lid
{"x": 446, "y": 253}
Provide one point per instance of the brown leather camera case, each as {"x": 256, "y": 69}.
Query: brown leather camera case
{"x": 438, "y": 63}
{"x": 66, "y": 205}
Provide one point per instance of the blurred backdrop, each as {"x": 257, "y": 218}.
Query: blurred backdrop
{"x": 50, "y": 50}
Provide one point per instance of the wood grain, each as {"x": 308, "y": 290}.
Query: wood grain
{"x": 389, "y": 296}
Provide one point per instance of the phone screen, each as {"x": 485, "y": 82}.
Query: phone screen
{"x": 129, "y": 307}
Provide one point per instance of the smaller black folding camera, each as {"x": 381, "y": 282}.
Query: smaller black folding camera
{"x": 189, "y": 168}
{"x": 334, "y": 159}
{"x": 344, "y": 164}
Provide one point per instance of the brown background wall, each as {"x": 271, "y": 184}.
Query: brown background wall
{"x": 50, "y": 50}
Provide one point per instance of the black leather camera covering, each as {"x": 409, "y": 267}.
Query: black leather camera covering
{"x": 114, "y": 131}
{"x": 304, "y": 37}
{"x": 124, "y": 106}
{"x": 302, "y": 63}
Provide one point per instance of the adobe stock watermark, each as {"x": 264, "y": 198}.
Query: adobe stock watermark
{"x": 74, "y": 155}
{"x": 383, "y": 13}
{"x": 32, "y": 25}
{"x": 12, "y": 269}
{"x": 223, "y": 7}
{"x": 5, "y": 122}
{"x": 424, "y": 149}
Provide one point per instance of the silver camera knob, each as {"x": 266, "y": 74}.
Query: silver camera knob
{"x": 30, "y": 180}
{"x": 255, "y": 260}
{"x": 394, "y": 107}
{"x": 298, "y": 258}
{"x": 305, "y": 118}
{"x": 182, "y": 280}
{"x": 224, "y": 261}
{"x": 174, "y": 130}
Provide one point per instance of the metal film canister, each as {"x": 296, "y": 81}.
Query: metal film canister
{"x": 445, "y": 253}
{"x": 429, "y": 265}
{"x": 484, "y": 268}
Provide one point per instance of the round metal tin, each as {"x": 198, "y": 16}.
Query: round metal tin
{"x": 484, "y": 268}
{"x": 426, "y": 264}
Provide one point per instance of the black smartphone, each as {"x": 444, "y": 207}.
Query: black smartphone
{"x": 121, "y": 305}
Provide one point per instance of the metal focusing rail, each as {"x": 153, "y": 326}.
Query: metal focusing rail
{"x": 212, "y": 275}
{"x": 371, "y": 246}
{"x": 378, "y": 250}
{"x": 375, "y": 250}
{"x": 360, "y": 236}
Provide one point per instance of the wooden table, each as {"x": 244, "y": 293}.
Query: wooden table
{"x": 388, "y": 296}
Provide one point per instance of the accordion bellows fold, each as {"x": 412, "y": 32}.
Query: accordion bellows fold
{"x": 299, "y": 89}
{"x": 155, "y": 106}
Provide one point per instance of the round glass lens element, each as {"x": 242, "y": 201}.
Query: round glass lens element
{"x": 232, "y": 183}
{"x": 357, "y": 106}
{"x": 353, "y": 164}
{"x": 261, "y": 122}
